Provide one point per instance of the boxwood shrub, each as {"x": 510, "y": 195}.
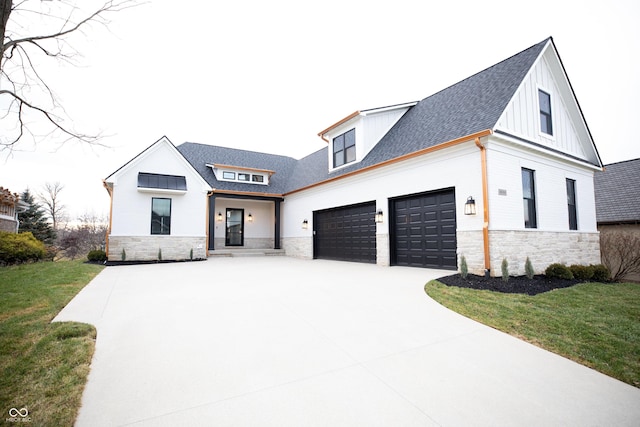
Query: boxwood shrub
{"x": 582, "y": 272}
{"x": 559, "y": 271}
{"x": 97, "y": 256}
{"x": 600, "y": 273}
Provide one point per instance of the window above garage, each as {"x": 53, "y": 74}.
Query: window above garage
{"x": 158, "y": 183}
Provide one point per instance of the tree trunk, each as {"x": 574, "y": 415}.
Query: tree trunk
{"x": 5, "y": 11}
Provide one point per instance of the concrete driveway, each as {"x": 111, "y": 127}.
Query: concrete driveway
{"x": 276, "y": 341}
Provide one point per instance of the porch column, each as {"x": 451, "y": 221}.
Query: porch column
{"x": 276, "y": 232}
{"x": 212, "y": 220}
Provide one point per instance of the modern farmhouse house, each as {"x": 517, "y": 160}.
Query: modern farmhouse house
{"x": 499, "y": 165}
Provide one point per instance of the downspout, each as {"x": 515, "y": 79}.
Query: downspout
{"x": 485, "y": 207}
{"x": 106, "y": 237}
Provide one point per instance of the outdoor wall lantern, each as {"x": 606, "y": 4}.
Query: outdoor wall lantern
{"x": 379, "y": 216}
{"x": 250, "y": 217}
{"x": 219, "y": 216}
{"x": 305, "y": 224}
{"x": 470, "y": 206}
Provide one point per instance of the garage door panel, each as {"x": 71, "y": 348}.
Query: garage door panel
{"x": 432, "y": 231}
{"x": 347, "y": 233}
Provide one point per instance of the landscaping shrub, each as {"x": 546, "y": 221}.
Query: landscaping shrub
{"x": 18, "y": 248}
{"x": 97, "y": 256}
{"x": 528, "y": 269}
{"x": 600, "y": 273}
{"x": 505, "y": 270}
{"x": 582, "y": 272}
{"x": 464, "y": 269}
{"x": 559, "y": 271}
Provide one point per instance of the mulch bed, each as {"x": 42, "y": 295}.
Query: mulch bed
{"x": 515, "y": 285}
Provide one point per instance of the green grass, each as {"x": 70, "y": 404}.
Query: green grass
{"x": 43, "y": 365}
{"x": 597, "y": 325}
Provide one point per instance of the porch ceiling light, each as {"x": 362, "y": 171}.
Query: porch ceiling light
{"x": 219, "y": 216}
{"x": 305, "y": 224}
{"x": 379, "y": 216}
{"x": 470, "y": 206}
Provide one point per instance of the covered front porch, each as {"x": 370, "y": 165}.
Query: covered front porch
{"x": 241, "y": 223}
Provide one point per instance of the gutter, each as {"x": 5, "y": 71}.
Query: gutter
{"x": 485, "y": 207}
{"x": 346, "y": 119}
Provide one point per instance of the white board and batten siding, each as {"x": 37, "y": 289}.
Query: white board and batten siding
{"x": 521, "y": 118}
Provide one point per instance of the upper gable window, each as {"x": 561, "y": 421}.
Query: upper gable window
{"x": 546, "y": 124}
{"x": 344, "y": 148}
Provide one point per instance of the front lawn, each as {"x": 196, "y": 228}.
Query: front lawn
{"x": 43, "y": 365}
{"x": 597, "y": 325}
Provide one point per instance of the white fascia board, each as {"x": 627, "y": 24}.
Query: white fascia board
{"x": 542, "y": 150}
{"x": 388, "y": 108}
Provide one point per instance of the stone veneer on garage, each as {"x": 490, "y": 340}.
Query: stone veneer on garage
{"x": 541, "y": 247}
{"x": 145, "y": 248}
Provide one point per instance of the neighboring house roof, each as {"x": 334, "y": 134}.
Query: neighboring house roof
{"x": 618, "y": 193}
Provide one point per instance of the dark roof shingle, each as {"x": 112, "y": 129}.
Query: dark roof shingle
{"x": 474, "y": 104}
{"x": 618, "y": 193}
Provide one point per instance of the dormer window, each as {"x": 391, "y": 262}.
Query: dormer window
{"x": 344, "y": 148}
{"x": 241, "y": 174}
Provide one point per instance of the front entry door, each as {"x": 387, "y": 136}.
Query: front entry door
{"x": 234, "y": 235}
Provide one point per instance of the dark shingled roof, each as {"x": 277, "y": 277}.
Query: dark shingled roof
{"x": 470, "y": 106}
{"x": 199, "y": 155}
{"x": 618, "y": 193}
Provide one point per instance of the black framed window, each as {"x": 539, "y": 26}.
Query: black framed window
{"x": 160, "y": 216}
{"x": 529, "y": 198}
{"x": 571, "y": 204}
{"x": 243, "y": 177}
{"x": 228, "y": 175}
{"x": 546, "y": 124}
{"x": 257, "y": 178}
{"x": 165, "y": 182}
{"x": 344, "y": 148}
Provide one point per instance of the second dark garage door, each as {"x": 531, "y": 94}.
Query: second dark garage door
{"x": 423, "y": 230}
{"x": 346, "y": 233}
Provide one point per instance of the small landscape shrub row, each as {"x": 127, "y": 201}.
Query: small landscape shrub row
{"x": 19, "y": 248}
{"x": 597, "y": 273}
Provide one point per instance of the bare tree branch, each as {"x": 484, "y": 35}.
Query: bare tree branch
{"x": 29, "y": 99}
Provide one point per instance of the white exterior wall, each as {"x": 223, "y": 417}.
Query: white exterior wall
{"x": 551, "y": 241}
{"x": 458, "y": 167}
{"x": 131, "y": 209}
{"x": 505, "y": 165}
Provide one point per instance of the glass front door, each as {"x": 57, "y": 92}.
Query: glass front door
{"x": 234, "y": 235}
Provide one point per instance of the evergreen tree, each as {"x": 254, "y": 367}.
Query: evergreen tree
{"x": 34, "y": 220}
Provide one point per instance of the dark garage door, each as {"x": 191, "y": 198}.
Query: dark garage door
{"x": 424, "y": 230}
{"x": 347, "y": 233}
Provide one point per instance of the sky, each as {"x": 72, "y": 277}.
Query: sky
{"x": 268, "y": 76}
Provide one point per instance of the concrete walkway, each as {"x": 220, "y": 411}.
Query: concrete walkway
{"x": 277, "y": 341}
